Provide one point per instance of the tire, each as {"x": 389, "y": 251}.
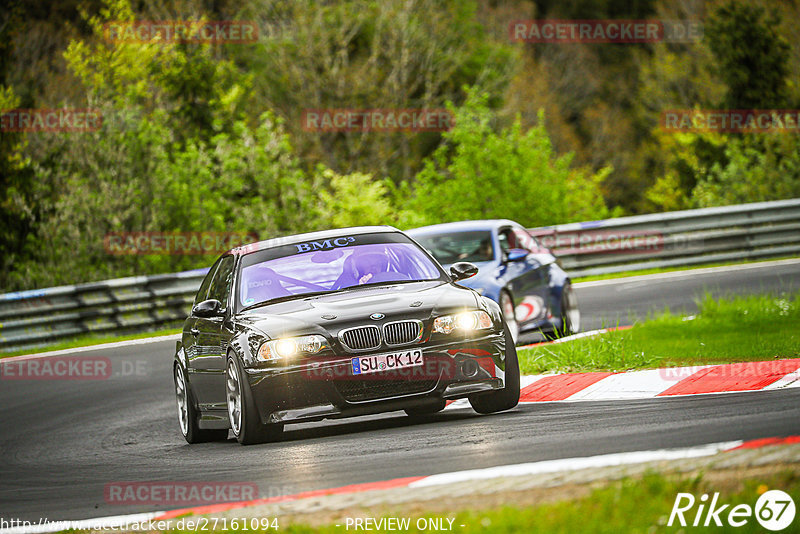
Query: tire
{"x": 509, "y": 314}
{"x": 427, "y": 409}
{"x": 187, "y": 412}
{"x": 570, "y": 314}
{"x": 242, "y": 412}
{"x": 508, "y": 397}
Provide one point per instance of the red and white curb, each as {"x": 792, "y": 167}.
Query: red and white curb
{"x": 657, "y": 383}
{"x": 517, "y": 470}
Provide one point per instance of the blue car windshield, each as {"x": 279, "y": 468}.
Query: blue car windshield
{"x": 474, "y": 247}
{"x": 331, "y": 269}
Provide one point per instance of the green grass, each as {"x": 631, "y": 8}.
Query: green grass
{"x": 659, "y": 270}
{"x": 92, "y": 339}
{"x": 635, "y": 505}
{"x": 751, "y": 328}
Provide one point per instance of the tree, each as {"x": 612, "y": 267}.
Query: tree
{"x": 751, "y": 55}
{"x": 478, "y": 173}
{"x": 354, "y": 200}
{"x": 374, "y": 54}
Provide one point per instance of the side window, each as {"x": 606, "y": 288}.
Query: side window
{"x": 203, "y": 291}
{"x": 525, "y": 240}
{"x": 221, "y": 284}
{"x": 507, "y": 239}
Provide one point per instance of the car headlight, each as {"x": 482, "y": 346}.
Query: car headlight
{"x": 291, "y": 346}
{"x": 466, "y": 321}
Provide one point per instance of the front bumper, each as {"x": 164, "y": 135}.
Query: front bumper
{"x": 325, "y": 386}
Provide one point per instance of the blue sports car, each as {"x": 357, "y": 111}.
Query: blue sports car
{"x": 515, "y": 270}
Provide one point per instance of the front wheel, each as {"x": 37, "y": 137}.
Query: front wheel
{"x": 187, "y": 413}
{"x": 242, "y": 411}
{"x": 570, "y": 314}
{"x": 508, "y": 397}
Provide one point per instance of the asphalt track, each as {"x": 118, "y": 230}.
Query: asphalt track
{"x": 61, "y": 442}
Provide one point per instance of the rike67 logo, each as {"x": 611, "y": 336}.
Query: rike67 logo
{"x": 774, "y": 510}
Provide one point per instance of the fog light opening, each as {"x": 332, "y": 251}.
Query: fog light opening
{"x": 469, "y": 368}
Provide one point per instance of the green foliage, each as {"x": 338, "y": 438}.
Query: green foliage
{"x": 751, "y": 55}
{"x": 200, "y": 137}
{"x": 374, "y": 54}
{"x": 354, "y": 200}
{"x": 174, "y": 154}
{"x": 751, "y": 328}
{"x": 478, "y": 173}
{"x": 17, "y": 211}
{"x": 754, "y": 169}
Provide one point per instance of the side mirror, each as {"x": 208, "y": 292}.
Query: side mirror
{"x": 516, "y": 254}
{"x": 463, "y": 270}
{"x": 208, "y": 308}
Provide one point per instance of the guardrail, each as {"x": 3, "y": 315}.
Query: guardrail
{"x": 42, "y": 317}
{"x": 676, "y": 239}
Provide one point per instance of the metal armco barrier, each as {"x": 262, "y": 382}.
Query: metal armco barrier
{"x": 683, "y": 238}
{"x": 42, "y": 317}
{"x": 676, "y": 239}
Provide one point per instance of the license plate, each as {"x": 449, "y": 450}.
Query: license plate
{"x": 386, "y": 362}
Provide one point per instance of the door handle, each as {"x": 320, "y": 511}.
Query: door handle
{"x": 195, "y": 332}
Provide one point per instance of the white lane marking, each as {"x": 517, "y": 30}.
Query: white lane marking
{"x": 89, "y": 348}
{"x": 458, "y": 404}
{"x": 792, "y": 380}
{"x": 579, "y": 335}
{"x": 101, "y": 523}
{"x": 527, "y": 380}
{"x": 573, "y": 464}
{"x": 632, "y": 385}
{"x": 686, "y": 272}
{"x": 526, "y": 469}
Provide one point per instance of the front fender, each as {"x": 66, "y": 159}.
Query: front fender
{"x": 180, "y": 355}
{"x": 245, "y": 345}
{"x": 493, "y": 309}
{"x": 558, "y": 279}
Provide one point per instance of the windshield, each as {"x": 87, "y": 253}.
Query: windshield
{"x": 474, "y": 247}
{"x": 331, "y": 265}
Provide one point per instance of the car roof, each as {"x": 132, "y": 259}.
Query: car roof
{"x": 461, "y": 226}
{"x": 309, "y": 236}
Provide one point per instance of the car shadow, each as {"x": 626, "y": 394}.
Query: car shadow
{"x": 392, "y": 420}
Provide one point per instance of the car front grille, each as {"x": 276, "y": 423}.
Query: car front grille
{"x": 402, "y": 332}
{"x": 365, "y": 390}
{"x": 361, "y": 338}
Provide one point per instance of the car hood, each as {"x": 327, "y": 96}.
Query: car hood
{"x": 342, "y": 309}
